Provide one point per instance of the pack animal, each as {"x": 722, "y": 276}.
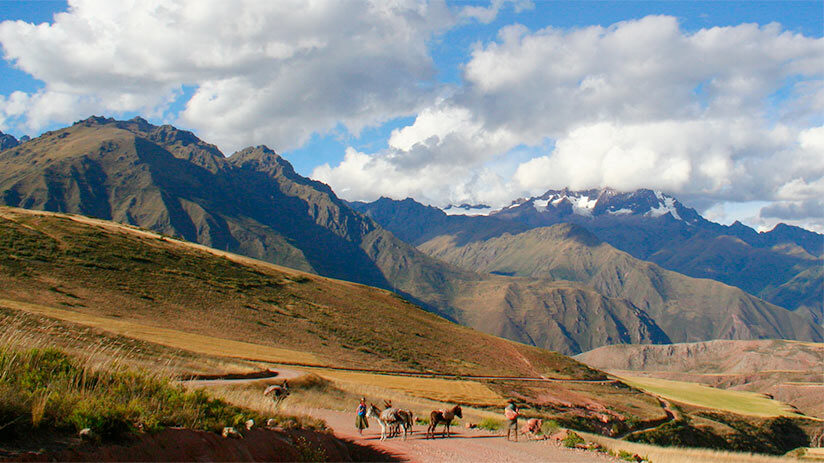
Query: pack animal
{"x": 442, "y": 416}
{"x": 406, "y": 416}
{"x": 277, "y": 392}
{"x": 387, "y": 418}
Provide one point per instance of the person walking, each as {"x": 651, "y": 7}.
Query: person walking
{"x": 360, "y": 420}
{"x": 511, "y": 414}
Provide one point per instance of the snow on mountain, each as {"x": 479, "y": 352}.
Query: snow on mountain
{"x": 606, "y": 201}
{"x": 589, "y": 203}
{"x": 666, "y": 205}
{"x": 582, "y": 204}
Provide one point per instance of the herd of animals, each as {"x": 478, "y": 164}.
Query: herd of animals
{"x": 394, "y": 420}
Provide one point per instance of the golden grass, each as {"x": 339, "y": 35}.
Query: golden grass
{"x": 25, "y": 330}
{"x": 813, "y": 454}
{"x": 312, "y": 392}
{"x": 682, "y": 455}
{"x": 201, "y": 344}
{"x": 740, "y": 402}
{"x": 438, "y": 389}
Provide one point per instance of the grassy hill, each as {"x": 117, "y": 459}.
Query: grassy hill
{"x": 98, "y": 268}
{"x": 685, "y": 309}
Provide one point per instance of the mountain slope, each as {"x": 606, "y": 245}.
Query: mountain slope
{"x": 253, "y": 203}
{"x": 102, "y": 268}
{"x": 686, "y": 309}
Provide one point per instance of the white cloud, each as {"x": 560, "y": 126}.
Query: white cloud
{"x": 366, "y": 177}
{"x": 264, "y": 72}
{"x": 487, "y": 14}
{"x": 640, "y": 103}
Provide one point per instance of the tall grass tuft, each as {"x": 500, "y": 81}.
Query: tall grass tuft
{"x": 48, "y": 389}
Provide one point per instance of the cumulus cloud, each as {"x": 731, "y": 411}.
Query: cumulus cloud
{"x": 263, "y": 72}
{"x": 641, "y": 103}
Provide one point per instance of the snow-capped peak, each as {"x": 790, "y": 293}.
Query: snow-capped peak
{"x": 582, "y": 204}
{"x": 605, "y": 202}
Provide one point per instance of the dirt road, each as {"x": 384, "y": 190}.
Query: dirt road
{"x": 469, "y": 446}
{"x": 466, "y": 446}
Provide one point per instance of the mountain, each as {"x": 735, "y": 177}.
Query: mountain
{"x": 7, "y": 141}
{"x": 648, "y": 225}
{"x": 253, "y": 203}
{"x": 685, "y": 308}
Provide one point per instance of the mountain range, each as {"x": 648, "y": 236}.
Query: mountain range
{"x": 254, "y": 203}
{"x": 784, "y": 266}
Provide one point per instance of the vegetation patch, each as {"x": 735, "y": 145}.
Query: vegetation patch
{"x": 740, "y": 402}
{"x": 46, "y": 390}
{"x": 491, "y": 424}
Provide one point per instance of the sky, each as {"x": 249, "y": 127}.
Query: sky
{"x": 720, "y": 103}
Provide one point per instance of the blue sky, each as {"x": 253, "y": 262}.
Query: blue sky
{"x": 437, "y": 90}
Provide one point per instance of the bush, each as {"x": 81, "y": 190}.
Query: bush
{"x": 490, "y": 424}
{"x": 50, "y": 390}
{"x": 550, "y": 427}
{"x": 309, "y": 453}
{"x": 572, "y": 439}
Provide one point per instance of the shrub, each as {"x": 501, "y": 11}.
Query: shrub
{"x": 572, "y": 439}
{"x": 490, "y": 424}
{"x": 550, "y": 427}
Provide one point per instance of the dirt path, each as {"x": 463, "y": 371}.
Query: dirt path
{"x": 465, "y": 445}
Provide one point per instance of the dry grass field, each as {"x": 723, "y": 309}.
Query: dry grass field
{"x": 659, "y": 454}
{"x": 192, "y": 342}
{"x": 437, "y": 389}
{"x": 740, "y": 402}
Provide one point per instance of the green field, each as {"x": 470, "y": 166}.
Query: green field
{"x": 741, "y": 402}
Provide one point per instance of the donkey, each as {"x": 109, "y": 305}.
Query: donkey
{"x": 386, "y": 419}
{"x": 404, "y": 416}
{"x": 442, "y": 416}
{"x": 407, "y": 418}
{"x": 277, "y": 392}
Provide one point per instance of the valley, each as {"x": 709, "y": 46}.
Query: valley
{"x": 96, "y": 289}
